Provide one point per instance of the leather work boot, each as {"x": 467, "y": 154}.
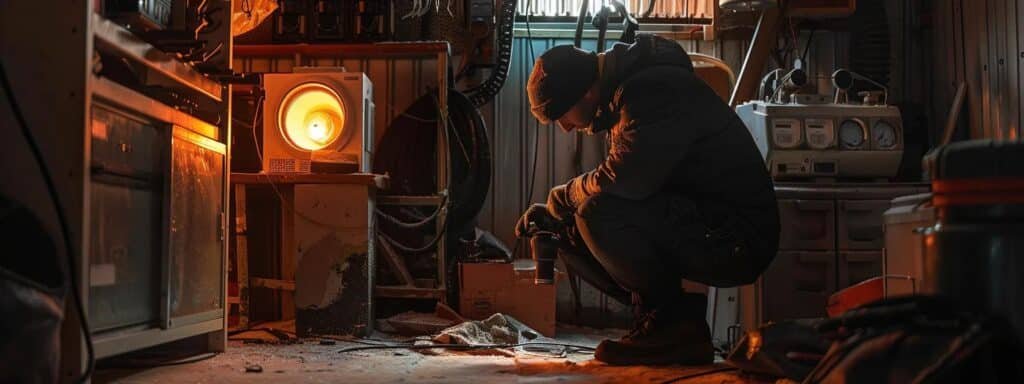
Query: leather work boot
{"x": 671, "y": 334}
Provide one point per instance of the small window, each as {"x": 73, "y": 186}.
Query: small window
{"x": 695, "y": 12}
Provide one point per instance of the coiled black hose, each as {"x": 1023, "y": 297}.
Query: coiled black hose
{"x": 486, "y": 91}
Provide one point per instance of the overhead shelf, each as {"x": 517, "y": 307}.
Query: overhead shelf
{"x": 113, "y": 38}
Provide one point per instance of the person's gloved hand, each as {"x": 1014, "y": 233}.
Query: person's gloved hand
{"x": 559, "y": 204}
{"x": 538, "y": 214}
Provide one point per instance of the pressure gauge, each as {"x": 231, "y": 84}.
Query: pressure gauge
{"x": 786, "y": 133}
{"x": 852, "y": 134}
{"x": 884, "y": 135}
{"x": 820, "y": 133}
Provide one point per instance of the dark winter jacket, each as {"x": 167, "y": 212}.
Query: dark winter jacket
{"x": 670, "y": 132}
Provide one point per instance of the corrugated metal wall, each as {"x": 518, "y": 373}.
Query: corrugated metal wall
{"x": 979, "y": 42}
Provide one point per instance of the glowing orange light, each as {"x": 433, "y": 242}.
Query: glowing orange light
{"x": 312, "y": 116}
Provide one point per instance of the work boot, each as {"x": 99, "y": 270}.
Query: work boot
{"x": 670, "y": 334}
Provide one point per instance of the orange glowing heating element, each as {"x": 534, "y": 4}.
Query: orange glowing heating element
{"x": 311, "y": 117}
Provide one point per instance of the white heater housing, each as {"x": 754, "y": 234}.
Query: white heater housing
{"x": 317, "y": 120}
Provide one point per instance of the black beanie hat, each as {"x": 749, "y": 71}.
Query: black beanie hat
{"x": 560, "y": 78}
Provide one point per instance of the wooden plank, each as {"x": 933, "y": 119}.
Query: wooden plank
{"x": 396, "y": 263}
{"x": 442, "y": 169}
{"x": 410, "y": 200}
{"x": 400, "y": 292}
{"x": 377, "y": 181}
{"x": 378, "y": 50}
{"x": 241, "y": 256}
{"x": 288, "y": 251}
{"x": 278, "y": 284}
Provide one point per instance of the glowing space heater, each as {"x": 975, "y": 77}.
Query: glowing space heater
{"x": 317, "y": 120}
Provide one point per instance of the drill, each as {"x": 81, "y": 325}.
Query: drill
{"x": 544, "y": 250}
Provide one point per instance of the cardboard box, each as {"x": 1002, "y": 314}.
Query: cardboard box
{"x": 489, "y": 288}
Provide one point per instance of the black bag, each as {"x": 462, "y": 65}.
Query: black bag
{"x": 918, "y": 339}
{"x": 32, "y": 291}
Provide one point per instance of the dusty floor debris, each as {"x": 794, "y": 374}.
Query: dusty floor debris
{"x": 309, "y": 361}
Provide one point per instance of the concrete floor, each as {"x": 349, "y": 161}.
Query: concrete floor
{"x": 310, "y": 362}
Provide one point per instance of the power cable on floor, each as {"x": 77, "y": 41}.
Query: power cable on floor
{"x": 127, "y": 363}
{"x": 76, "y": 294}
{"x": 463, "y": 347}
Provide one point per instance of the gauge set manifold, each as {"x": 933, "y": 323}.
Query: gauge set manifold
{"x": 826, "y": 140}
{"x": 810, "y": 136}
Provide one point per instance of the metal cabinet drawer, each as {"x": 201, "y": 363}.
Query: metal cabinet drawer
{"x": 798, "y": 284}
{"x": 124, "y": 145}
{"x": 124, "y": 255}
{"x": 859, "y": 224}
{"x": 857, "y": 266}
{"x": 807, "y": 224}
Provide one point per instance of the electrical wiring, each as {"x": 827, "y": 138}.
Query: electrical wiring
{"x": 486, "y": 91}
{"x": 415, "y": 224}
{"x": 807, "y": 46}
{"x": 760, "y": 90}
{"x": 443, "y": 206}
{"x": 699, "y": 374}
{"x": 144, "y": 363}
{"x": 69, "y": 249}
{"x": 404, "y": 248}
{"x": 536, "y": 136}
{"x": 650, "y": 8}
{"x": 462, "y": 346}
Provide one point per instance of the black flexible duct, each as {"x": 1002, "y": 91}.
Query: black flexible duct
{"x": 650, "y": 8}
{"x": 485, "y": 92}
{"x": 470, "y": 154}
{"x": 404, "y": 150}
{"x": 629, "y": 24}
{"x": 578, "y": 40}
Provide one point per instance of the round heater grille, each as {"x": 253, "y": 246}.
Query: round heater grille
{"x": 312, "y": 116}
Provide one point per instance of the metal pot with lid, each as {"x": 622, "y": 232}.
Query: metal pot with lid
{"x": 974, "y": 254}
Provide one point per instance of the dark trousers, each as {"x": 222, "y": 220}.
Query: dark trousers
{"x": 645, "y": 247}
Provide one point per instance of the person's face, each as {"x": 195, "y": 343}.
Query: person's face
{"x": 580, "y": 115}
